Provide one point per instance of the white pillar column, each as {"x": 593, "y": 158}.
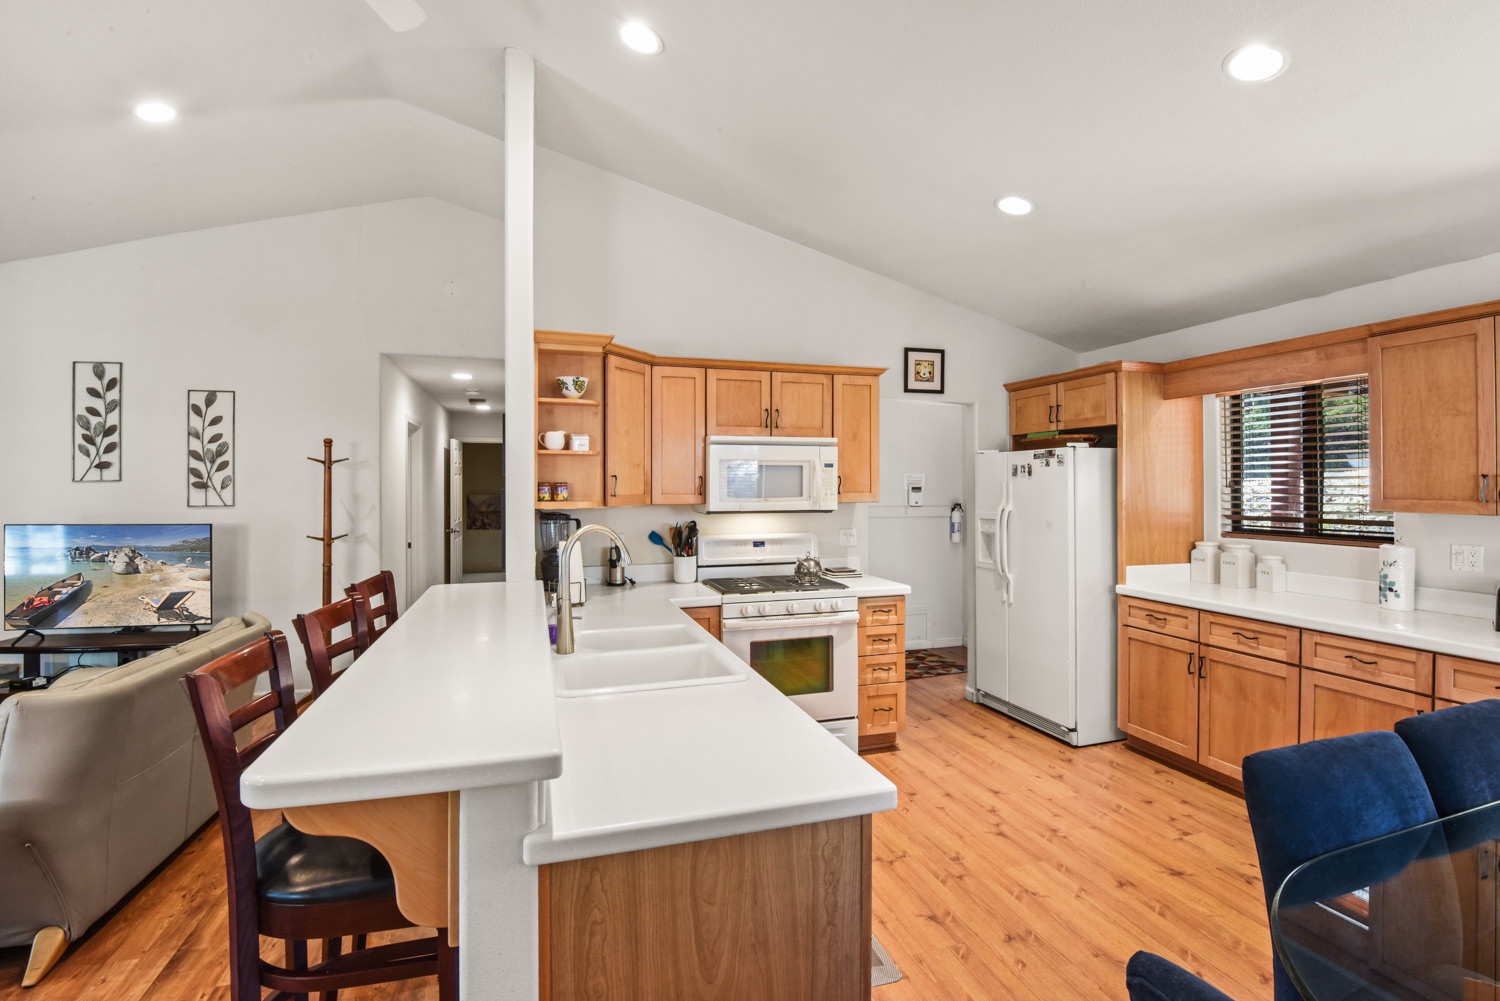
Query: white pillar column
{"x": 520, "y": 316}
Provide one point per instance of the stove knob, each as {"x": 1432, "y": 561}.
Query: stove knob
{"x": 747, "y": 610}
{"x": 765, "y": 609}
{"x": 792, "y": 608}
{"x": 822, "y": 606}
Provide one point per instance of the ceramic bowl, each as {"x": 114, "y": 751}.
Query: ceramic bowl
{"x": 572, "y": 386}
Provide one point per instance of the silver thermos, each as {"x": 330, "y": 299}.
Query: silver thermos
{"x": 614, "y": 574}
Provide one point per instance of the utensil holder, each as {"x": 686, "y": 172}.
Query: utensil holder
{"x": 684, "y": 569}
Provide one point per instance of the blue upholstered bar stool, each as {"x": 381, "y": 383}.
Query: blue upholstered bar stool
{"x": 1458, "y": 751}
{"x": 1308, "y": 799}
{"x": 1149, "y": 977}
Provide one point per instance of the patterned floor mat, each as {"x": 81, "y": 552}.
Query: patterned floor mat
{"x": 930, "y": 664}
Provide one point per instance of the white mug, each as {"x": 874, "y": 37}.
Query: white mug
{"x": 578, "y": 442}
{"x": 550, "y": 439}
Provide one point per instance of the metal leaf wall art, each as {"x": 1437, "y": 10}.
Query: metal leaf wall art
{"x": 96, "y": 420}
{"x": 210, "y": 448}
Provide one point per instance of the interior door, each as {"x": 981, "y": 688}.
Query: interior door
{"x": 455, "y": 510}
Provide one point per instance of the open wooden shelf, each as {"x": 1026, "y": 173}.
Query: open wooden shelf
{"x": 567, "y": 505}
{"x": 559, "y": 401}
{"x": 566, "y": 451}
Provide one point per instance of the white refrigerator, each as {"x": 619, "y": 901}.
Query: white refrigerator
{"x": 1044, "y": 565}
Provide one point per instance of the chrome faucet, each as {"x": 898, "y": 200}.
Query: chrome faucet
{"x": 565, "y": 586}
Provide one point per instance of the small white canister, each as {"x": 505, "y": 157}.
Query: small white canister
{"x": 1237, "y": 565}
{"x": 1397, "y": 585}
{"x": 1205, "y": 563}
{"x": 1270, "y": 574}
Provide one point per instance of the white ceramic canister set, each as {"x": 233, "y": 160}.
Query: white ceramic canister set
{"x": 1236, "y": 566}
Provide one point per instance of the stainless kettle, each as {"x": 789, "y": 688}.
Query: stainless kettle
{"x": 809, "y": 569}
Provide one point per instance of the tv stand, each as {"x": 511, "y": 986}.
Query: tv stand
{"x": 32, "y": 644}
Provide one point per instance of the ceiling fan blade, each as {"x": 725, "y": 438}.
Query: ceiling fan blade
{"x": 399, "y": 15}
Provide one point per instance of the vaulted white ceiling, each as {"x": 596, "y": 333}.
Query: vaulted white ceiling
{"x": 878, "y": 131}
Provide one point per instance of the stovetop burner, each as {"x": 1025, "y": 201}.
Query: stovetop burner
{"x": 770, "y": 585}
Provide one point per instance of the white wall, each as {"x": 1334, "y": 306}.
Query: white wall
{"x": 403, "y": 404}
{"x": 1420, "y": 292}
{"x": 669, "y": 277}
{"x": 293, "y": 315}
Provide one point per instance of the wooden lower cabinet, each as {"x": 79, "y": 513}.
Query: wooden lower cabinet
{"x": 1458, "y": 679}
{"x": 1333, "y": 706}
{"x": 1245, "y": 704}
{"x": 1158, "y": 690}
{"x": 882, "y": 671}
{"x": 773, "y": 914}
{"x": 710, "y": 618}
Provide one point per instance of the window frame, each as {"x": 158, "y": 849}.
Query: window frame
{"x": 1312, "y": 468}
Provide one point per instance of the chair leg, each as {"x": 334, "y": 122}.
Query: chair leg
{"x": 332, "y": 949}
{"x": 447, "y": 968}
{"x": 296, "y": 959}
{"x": 46, "y": 949}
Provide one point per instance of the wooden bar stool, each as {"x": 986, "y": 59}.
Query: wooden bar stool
{"x": 379, "y": 613}
{"x": 317, "y": 629}
{"x": 289, "y": 885}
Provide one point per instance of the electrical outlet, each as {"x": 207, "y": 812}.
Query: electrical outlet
{"x": 848, "y": 537}
{"x": 1464, "y": 558}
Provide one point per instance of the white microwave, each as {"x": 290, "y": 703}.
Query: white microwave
{"x": 771, "y": 474}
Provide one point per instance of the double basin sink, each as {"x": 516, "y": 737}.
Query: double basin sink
{"x": 643, "y": 658}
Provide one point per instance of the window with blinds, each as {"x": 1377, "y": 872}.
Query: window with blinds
{"x": 1296, "y": 462}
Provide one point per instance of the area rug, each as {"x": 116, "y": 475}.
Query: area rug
{"x": 930, "y": 664}
{"x": 882, "y": 970}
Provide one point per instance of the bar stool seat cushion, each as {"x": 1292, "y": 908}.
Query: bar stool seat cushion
{"x": 296, "y": 868}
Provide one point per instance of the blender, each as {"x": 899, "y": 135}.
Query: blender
{"x": 553, "y": 529}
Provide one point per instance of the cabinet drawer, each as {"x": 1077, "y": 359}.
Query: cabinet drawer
{"x": 1397, "y": 666}
{"x": 1260, "y": 639}
{"x": 1172, "y": 620}
{"x": 1462, "y": 680}
{"x": 875, "y": 641}
{"x": 882, "y": 669}
{"x": 882, "y": 708}
{"x": 882, "y": 611}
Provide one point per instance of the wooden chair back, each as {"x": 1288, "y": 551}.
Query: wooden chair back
{"x": 317, "y": 631}
{"x": 228, "y": 756}
{"x": 379, "y": 596}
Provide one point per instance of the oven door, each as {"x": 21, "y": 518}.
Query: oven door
{"x": 812, "y": 659}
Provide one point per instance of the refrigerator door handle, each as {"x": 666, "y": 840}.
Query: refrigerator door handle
{"x": 1005, "y": 574}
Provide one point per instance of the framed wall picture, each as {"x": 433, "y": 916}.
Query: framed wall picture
{"x": 924, "y": 370}
{"x": 210, "y": 448}
{"x": 97, "y": 392}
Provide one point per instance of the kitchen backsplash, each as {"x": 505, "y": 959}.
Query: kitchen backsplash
{"x": 635, "y": 523}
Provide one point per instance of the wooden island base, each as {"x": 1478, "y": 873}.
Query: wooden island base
{"x": 776, "y": 914}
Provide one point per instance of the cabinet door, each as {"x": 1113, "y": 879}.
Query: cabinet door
{"x": 1245, "y": 704}
{"x": 1159, "y": 690}
{"x": 882, "y": 709}
{"x": 1458, "y": 679}
{"x": 1432, "y": 419}
{"x": 738, "y": 401}
{"x": 802, "y": 404}
{"x": 1333, "y": 706}
{"x": 1032, "y": 410}
{"x": 856, "y": 424}
{"x": 677, "y": 430}
{"x": 710, "y": 617}
{"x": 627, "y": 435}
{"x": 1086, "y": 403}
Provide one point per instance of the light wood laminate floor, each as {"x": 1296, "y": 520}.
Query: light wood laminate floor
{"x": 1014, "y": 868}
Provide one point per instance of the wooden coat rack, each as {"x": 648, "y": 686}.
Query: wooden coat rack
{"x": 327, "y": 538}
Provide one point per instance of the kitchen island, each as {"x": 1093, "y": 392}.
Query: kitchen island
{"x": 453, "y": 714}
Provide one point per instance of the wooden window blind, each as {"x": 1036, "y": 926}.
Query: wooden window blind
{"x": 1296, "y": 463}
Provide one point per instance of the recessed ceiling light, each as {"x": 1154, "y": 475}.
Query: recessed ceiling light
{"x": 463, "y": 376}
{"x": 481, "y": 406}
{"x": 155, "y": 111}
{"x": 641, "y": 38}
{"x": 1256, "y": 63}
{"x": 1013, "y": 205}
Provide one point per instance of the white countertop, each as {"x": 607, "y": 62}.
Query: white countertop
{"x": 1439, "y": 632}
{"x": 459, "y": 694}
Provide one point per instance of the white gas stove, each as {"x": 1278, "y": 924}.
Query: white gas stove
{"x": 803, "y": 637}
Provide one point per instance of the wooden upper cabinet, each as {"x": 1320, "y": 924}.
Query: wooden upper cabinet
{"x": 738, "y": 401}
{"x": 677, "y": 430}
{"x": 1432, "y": 419}
{"x": 856, "y": 424}
{"x": 802, "y": 404}
{"x": 1032, "y": 410}
{"x": 627, "y": 436}
{"x": 1088, "y": 402}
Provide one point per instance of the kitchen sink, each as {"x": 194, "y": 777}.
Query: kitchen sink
{"x": 638, "y": 637}
{"x": 611, "y": 672}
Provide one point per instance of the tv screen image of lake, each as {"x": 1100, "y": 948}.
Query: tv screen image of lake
{"x": 127, "y": 572}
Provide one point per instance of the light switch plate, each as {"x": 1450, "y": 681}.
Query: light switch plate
{"x": 848, "y": 537}
{"x": 1464, "y": 558}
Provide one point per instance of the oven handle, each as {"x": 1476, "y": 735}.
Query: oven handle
{"x": 782, "y": 621}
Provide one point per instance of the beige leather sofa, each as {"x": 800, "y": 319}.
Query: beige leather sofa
{"x": 102, "y": 777}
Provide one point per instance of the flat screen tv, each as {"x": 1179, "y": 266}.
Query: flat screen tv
{"x": 107, "y": 576}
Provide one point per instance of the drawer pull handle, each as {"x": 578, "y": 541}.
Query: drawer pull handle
{"x": 1156, "y": 618}
{"x": 887, "y": 669}
{"x": 1357, "y": 660}
{"x": 881, "y": 639}
{"x": 884, "y": 709}
{"x": 1245, "y": 636}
